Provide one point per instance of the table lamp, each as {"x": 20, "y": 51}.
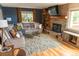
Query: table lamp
{"x": 3, "y": 24}
{"x": 9, "y": 19}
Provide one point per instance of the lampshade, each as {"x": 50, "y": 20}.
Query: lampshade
{"x": 3, "y": 23}
{"x": 9, "y": 19}
{"x": 40, "y": 26}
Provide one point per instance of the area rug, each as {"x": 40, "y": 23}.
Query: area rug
{"x": 39, "y": 43}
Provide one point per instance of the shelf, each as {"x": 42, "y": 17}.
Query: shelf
{"x": 58, "y": 17}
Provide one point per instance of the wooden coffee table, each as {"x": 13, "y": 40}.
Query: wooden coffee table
{"x": 19, "y": 52}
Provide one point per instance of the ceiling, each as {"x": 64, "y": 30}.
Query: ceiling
{"x": 30, "y": 5}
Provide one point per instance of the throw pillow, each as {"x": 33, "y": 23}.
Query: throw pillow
{"x": 17, "y": 35}
{"x": 19, "y": 26}
{"x": 13, "y": 33}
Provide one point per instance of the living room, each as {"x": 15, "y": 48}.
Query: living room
{"x": 41, "y": 29}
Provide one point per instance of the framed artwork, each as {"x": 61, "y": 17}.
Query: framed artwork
{"x": 27, "y": 16}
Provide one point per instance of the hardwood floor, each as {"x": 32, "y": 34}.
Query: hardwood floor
{"x": 64, "y": 49}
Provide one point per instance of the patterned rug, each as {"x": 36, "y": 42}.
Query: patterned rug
{"x": 39, "y": 43}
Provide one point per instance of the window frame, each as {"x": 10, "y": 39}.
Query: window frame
{"x": 70, "y": 21}
{"x": 27, "y": 12}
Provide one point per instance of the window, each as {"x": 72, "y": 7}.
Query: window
{"x": 27, "y": 16}
{"x": 73, "y": 22}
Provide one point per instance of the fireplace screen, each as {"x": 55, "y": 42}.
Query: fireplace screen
{"x": 56, "y": 27}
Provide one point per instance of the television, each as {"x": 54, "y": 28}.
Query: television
{"x": 53, "y": 11}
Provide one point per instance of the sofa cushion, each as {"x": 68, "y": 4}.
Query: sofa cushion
{"x": 19, "y": 26}
{"x": 13, "y": 33}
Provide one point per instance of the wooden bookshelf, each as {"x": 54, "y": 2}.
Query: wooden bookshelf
{"x": 73, "y": 38}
